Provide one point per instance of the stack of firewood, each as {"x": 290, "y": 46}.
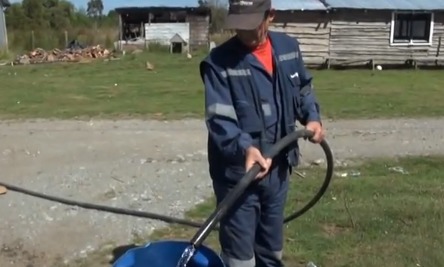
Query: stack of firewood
{"x": 68, "y": 55}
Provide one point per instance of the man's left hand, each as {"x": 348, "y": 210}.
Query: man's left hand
{"x": 318, "y": 131}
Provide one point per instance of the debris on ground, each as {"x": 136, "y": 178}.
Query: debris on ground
{"x": 340, "y": 163}
{"x": 149, "y": 66}
{"x": 301, "y": 174}
{"x": 348, "y": 174}
{"x": 3, "y": 190}
{"x": 355, "y": 173}
{"x": 398, "y": 169}
{"x": 318, "y": 162}
{"x": 74, "y": 54}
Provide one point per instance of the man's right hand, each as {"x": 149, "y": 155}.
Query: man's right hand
{"x": 253, "y": 155}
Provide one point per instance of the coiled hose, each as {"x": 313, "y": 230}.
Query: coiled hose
{"x": 288, "y": 141}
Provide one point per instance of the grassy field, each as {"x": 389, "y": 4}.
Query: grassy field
{"x": 381, "y": 218}
{"x": 125, "y": 88}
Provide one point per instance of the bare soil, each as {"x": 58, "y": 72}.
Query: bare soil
{"x": 147, "y": 165}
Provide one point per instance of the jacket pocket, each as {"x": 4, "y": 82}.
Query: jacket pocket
{"x": 295, "y": 85}
{"x": 269, "y": 111}
{"x": 248, "y": 119}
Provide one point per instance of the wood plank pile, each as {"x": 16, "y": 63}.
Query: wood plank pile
{"x": 68, "y": 55}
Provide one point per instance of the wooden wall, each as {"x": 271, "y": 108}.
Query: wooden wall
{"x": 357, "y": 35}
{"x": 199, "y": 30}
{"x": 348, "y": 37}
{"x": 311, "y": 28}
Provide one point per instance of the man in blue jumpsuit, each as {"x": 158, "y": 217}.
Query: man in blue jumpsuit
{"x": 256, "y": 88}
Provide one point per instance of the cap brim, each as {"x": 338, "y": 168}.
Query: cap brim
{"x": 243, "y": 21}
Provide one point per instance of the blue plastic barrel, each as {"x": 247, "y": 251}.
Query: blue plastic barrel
{"x": 167, "y": 253}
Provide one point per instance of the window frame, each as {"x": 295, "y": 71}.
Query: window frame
{"x": 429, "y": 42}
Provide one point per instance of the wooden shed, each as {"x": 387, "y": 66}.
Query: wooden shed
{"x": 308, "y": 21}
{"x": 158, "y": 24}
{"x": 356, "y": 32}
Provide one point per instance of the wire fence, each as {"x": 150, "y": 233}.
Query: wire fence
{"x": 20, "y": 41}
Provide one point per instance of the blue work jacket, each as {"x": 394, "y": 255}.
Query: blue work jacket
{"x": 245, "y": 106}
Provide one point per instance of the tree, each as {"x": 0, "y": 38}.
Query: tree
{"x": 218, "y": 12}
{"x": 202, "y": 3}
{"x": 95, "y": 8}
{"x": 34, "y": 12}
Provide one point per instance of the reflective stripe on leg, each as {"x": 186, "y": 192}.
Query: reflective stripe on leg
{"x": 278, "y": 254}
{"x": 232, "y": 262}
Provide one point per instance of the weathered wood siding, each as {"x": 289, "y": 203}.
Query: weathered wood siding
{"x": 312, "y": 30}
{"x": 361, "y": 35}
{"x": 199, "y": 30}
{"x": 162, "y": 33}
{"x": 437, "y": 48}
{"x": 353, "y": 37}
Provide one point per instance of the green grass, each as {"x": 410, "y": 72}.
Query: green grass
{"x": 381, "y": 218}
{"x": 174, "y": 90}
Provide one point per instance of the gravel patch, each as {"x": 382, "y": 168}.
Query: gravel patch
{"x": 144, "y": 165}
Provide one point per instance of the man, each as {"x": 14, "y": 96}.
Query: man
{"x": 256, "y": 87}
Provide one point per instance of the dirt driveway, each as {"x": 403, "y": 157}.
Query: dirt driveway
{"x": 155, "y": 166}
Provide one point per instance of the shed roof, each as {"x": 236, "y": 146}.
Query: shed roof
{"x": 160, "y": 3}
{"x": 298, "y": 5}
{"x": 387, "y": 4}
{"x": 177, "y": 39}
{"x": 144, "y": 10}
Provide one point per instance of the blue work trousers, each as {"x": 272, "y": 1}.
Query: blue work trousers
{"x": 251, "y": 234}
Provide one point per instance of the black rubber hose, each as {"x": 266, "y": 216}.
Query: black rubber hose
{"x": 328, "y": 176}
{"x": 86, "y": 205}
{"x": 288, "y": 141}
{"x": 173, "y": 220}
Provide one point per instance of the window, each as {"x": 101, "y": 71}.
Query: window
{"x": 411, "y": 29}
